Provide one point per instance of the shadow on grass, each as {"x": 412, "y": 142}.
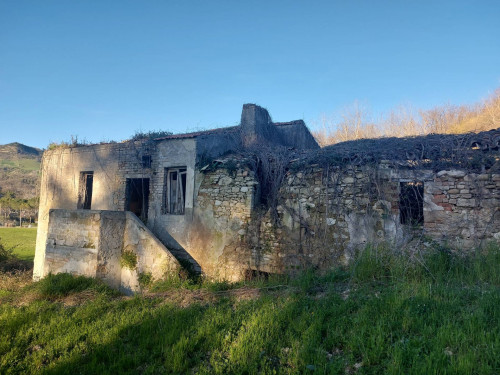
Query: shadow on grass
{"x": 394, "y": 332}
{"x": 441, "y": 318}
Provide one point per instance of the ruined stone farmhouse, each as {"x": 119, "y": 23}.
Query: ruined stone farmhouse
{"x": 260, "y": 197}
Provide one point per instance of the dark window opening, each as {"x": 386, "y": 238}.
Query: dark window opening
{"x": 146, "y": 161}
{"x": 265, "y": 189}
{"x": 174, "y": 191}
{"x": 256, "y": 275}
{"x": 137, "y": 196}
{"x": 411, "y": 203}
{"x": 85, "y": 191}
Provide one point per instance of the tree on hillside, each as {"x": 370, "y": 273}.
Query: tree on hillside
{"x": 354, "y": 123}
{"x": 401, "y": 122}
{"x": 9, "y": 204}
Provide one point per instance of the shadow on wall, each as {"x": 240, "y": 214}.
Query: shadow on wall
{"x": 181, "y": 254}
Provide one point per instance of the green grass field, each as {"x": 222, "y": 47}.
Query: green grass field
{"x": 23, "y": 240}
{"x": 24, "y": 164}
{"x": 385, "y": 314}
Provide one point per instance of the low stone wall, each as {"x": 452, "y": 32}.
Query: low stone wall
{"x": 91, "y": 243}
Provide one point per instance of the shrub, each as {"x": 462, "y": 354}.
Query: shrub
{"x": 152, "y": 134}
{"x": 128, "y": 260}
{"x": 5, "y": 254}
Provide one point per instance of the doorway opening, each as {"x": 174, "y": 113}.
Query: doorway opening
{"x": 137, "y": 197}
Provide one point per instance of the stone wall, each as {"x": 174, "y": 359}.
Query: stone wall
{"x": 463, "y": 209}
{"x": 91, "y": 243}
{"x": 324, "y": 215}
{"x": 223, "y": 210}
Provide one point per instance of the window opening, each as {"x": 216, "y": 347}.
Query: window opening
{"x": 85, "y": 191}
{"x": 174, "y": 191}
{"x": 137, "y": 196}
{"x": 146, "y": 161}
{"x": 411, "y": 203}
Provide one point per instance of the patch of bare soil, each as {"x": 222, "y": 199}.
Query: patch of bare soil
{"x": 77, "y": 299}
{"x": 186, "y": 297}
{"x": 11, "y": 283}
{"x": 15, "y": 280}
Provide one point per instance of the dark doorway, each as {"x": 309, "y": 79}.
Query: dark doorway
{"x": 85, "y": 193}
{"x": 137, "y": 196}
{"x": 411, "y": 203}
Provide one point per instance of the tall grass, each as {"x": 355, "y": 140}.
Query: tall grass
{"x": 420, "y": 313}
{"x": 438, "y": 264}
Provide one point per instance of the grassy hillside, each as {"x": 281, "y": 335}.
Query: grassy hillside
{"x": 386, "y": 314}
{"x": 27, "y": 165}
{"x": 19, "y": 166}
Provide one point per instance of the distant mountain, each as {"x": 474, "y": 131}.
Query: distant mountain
{"x": 12, "y": 149}
{"x": 19, "y": 169}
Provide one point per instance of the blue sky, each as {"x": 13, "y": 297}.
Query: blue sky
{"x": 101, "y": 70}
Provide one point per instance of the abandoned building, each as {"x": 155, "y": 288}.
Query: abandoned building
{"x": 258, "y": 197}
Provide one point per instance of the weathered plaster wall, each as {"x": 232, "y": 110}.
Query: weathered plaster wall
{"x": 210, "y": 146}
{"x": 112, "y": 164}
{"x": 296, "y": 134}
{"x": 152, "y": 256}
{"x": 70, "y": 250}
{"x": 91, "y": 243}
{"x": 60, "y": 181}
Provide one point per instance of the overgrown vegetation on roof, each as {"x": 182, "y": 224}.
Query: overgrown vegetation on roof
{"x": 63, "y": 144}
{"x": 475, "y": 152}
{"x": 149, "y": 135}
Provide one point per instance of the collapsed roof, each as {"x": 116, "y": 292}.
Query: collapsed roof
{"x": 472, "y": 151}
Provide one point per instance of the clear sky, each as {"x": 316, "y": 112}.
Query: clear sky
{"x": 101, "y": 69}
